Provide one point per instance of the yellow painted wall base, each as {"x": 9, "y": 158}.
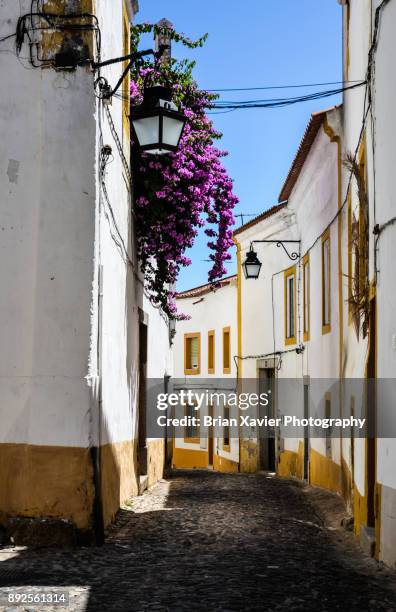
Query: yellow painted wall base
{"x": 57, "y": 481}
{"x": 346, "y": 484}
{"x": 118, "y": 476}
{"x": 248, "y": 453}
{"x": 359, "y": 510}
{"x": 221, "y": 464}
{"x": 324, "y": 472}
{"x": 46, "y": 481}
{"x": 291, "y": 463}
{"x": 185, "y": 458}
{"x": 288, "y": 465}
{"x": 156, "y": 460}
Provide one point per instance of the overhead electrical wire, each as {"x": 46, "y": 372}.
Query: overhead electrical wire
{"x": 271, "y": 87}
{"x": 280, "y": 102}
{"x": 7, "y": 37}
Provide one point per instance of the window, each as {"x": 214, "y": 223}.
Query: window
{"x": 326, "y": 285}
{"x": 192, "y": 353}
{"x": 191, "y": 431}
{"x": 306, "y": 285}
{"x": 290, "y": 305}
{"x": 226, "y": 350}
{"x": 211, "y": 352}
{"x": 226, "y": 429}
{"x": 126, "y": 81}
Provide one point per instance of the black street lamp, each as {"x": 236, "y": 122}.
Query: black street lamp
{"x": 157, "y": 125}
{"x": 252, "y": 265}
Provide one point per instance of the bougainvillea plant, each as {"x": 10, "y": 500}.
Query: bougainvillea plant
{"x": 178, "y": 193}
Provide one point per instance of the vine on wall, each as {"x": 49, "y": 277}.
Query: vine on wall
{"x": 359, "y": 245}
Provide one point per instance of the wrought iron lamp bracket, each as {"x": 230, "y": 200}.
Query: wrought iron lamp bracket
{"x": 293, "y": 255}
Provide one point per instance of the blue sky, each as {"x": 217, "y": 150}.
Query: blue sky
{"x": 256, "y": 43}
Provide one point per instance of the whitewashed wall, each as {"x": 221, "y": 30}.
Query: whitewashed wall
{"x": 257, "y": 313}
{"x": 380, "y": 136}
{"x": 47, "y": 219}
{"x": 314, "y": 201}
{"x": 69, "y": 317}
{"x": 211, "y": 311}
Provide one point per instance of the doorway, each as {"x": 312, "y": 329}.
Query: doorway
{"x": 371, "y": 415}
{"x": 267, "y": 460}
{"x": 306, "y": 429}
{"x": 210, "y": 438}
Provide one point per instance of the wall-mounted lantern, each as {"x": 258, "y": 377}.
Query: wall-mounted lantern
{"x": 252, "y": 265}
{"x": 157, "y": 125}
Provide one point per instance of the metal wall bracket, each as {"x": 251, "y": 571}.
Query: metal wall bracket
{"x": 281, "y": 243}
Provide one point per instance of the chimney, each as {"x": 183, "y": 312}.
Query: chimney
{"x": 163, "y": 38}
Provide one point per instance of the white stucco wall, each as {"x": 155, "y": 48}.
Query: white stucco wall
{"x": 385, "y": 163}
{"x": 257, "y": 313}
{"x": 47, "y": 219}
{"x": 61, "y": 329}
{"x": 310, "y": 209}
{"x": 212, "y": 311}
{"x": 314, "y": 200}
{"x": 380, "y": 136}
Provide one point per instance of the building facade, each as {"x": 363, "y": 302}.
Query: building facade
{"x": 78, "y": 335}
{"x": 368, "y": 254}
{"x": 204, "y": 352}
{"x": 295, "y": 303}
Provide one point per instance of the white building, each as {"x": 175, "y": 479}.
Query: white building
{"x": 294, "y": 304}
{"x": 368, "y": 258}
{"x": 77, "y": 335}
{"x": 204, "y": 353}
{"x": 258, "y": 350}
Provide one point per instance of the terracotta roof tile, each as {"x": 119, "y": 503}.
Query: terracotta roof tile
{"x": 203, "y": 289}
{"x": 307, "y": 141}
{"x": 260, "y": 217}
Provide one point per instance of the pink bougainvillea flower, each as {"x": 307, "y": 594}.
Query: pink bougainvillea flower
{"x": 178, "y": 193}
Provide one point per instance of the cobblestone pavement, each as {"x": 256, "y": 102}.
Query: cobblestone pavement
{"x": 207, "y": 541}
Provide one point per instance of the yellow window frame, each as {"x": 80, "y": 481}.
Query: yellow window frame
{"x": 306, "y": 300}
{"x": 192, "y": 371}
{"x": 227, "y": 369}
{"x": 211, "y": 352}
{"x": 326, "y": 327}
{"x": 287, "y": 274}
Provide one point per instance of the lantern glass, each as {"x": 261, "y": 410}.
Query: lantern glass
{"x": 172, "y": 128}
{"x": 157, "y": 129}
{"x": 147, "y": 130}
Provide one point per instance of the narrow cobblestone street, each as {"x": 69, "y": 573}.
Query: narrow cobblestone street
{"x": 208, "y": 541}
